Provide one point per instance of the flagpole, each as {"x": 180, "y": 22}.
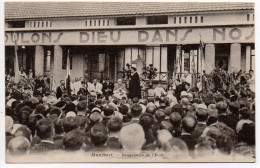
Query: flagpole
{"x": 68, "y": 73}
{"x": 16, "y": 66}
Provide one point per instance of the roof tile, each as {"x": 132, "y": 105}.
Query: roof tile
{"x": 26, "y": 10}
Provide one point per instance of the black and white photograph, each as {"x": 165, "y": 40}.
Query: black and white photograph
{"x": 142, "y": 82}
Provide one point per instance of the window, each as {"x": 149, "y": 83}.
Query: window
{"x": 180, "y": 20}
{"x": 196, "y": 19}
{"x": 126, "y": 21}
{"x": 90, "y": 23}
{"x": 185, "y": 19}
{"x": 248, "y": 17}
{"x": 17, "y": 24}
{"x": 175, "y": 20}
{"x": 190, "y": 19}
{"x": 107, "y": 22}
{"x": 64, "y": 57}
{"x": 157, "y": 19}
{"x": 186, "y": 61}
{"x": 201, "y": 19}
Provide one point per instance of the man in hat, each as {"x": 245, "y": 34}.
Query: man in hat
{"x": 134, "y": 85}
{"x": 60, "y": 89}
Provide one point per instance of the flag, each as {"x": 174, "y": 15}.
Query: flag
{"x": 68, "y": 74}
{"x": 16, "y": 66}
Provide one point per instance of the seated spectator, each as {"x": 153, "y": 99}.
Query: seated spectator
{"x": 24, "y": 131}
{"x": 176, "y": 120}
{"x": 136, "y": 112}
{"x": 69, "y": 124}
{"x": 132, "y": 138}
{"x": 123, "y": 109}
{"x": 175, "y": 148}
{"x": 159, "y": 90}
{"x": 98, "y": 136}
{"x": 45, "y": 131}
{"x": 202, "y": 116}
{"x": 114, "y": 126}
{"x": 73, "y": 140}
{"x": 147, "y": 122}
{"x": 81, "y": 108}
{"x": 188, "y": 126}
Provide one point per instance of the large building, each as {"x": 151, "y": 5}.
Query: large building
{"x": 101, "y": 38}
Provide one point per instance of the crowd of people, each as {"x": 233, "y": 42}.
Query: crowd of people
{"x": 180, "y": 121}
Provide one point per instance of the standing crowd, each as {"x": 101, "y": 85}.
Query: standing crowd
{"x": 180, "y": 121}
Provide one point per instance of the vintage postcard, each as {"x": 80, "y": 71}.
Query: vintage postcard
{"x": 129, "y": 82}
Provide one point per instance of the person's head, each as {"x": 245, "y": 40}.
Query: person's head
{"x": 132, "y": 137}
{"x": 41, "y": 109}
{"x": 251, "y": 72}
{"x": 69, "y": 124}
{"x": 163, "y": 136}
{"x": 151, "y": 109}
{"x": 81, "y": 107}
{"x": 178, "y": 108}
{"x": 62, "y": 82}
{"x": 18, "y": 146}
{"x": 146, "y": 121}
{"x": 133, "y": 69}
{"x": 24, "y": 131}
{"x": 119, "y": 81}
{"x": 73, "y": 140}
{"x": 82, "y": 83}
{"x": 95, "y": 81}
{"x": 160, "y": 115}
{"x": 224, "y": 144}
{"x": 109, "y": 110}
{"x": 176, "y": 119}
{"x": 136, "y": 110}
{"x": 221, "y": 107}
{"x": 159, "y": 84}
{"x": 205, "y": 146}
{"x": 244, "y": 113}
{"x": 114, "y": 124}
{"x": 55, "y": 111}
{"x": 187, "y": 86}
{"x": 123, "y": 109}
{"x": 98, "y": 134}
{"x": 175, "y": 148}
{"x": 188, "y": 124}
{"x": 202, "y": 115}
{"x": 247, "y": 133}
{"x": 45, "y": 129}
{"x": 95, "y": 117}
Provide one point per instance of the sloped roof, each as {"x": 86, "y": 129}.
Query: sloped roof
{"x": 26, "y": 10}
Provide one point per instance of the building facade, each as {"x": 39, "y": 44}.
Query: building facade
{"x": 101, "y": 38}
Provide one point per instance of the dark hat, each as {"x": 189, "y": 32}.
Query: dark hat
{"x": 114, "y": 124}
{"x": 98, "y": 134}
{"x": 146, "y": 121}
{"x": 160, "y": 115}
{"x": 70, "y": 123}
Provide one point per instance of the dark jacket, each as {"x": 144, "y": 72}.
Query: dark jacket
{"x": 134, "y": 87}
{"x": 60, "y": 91}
